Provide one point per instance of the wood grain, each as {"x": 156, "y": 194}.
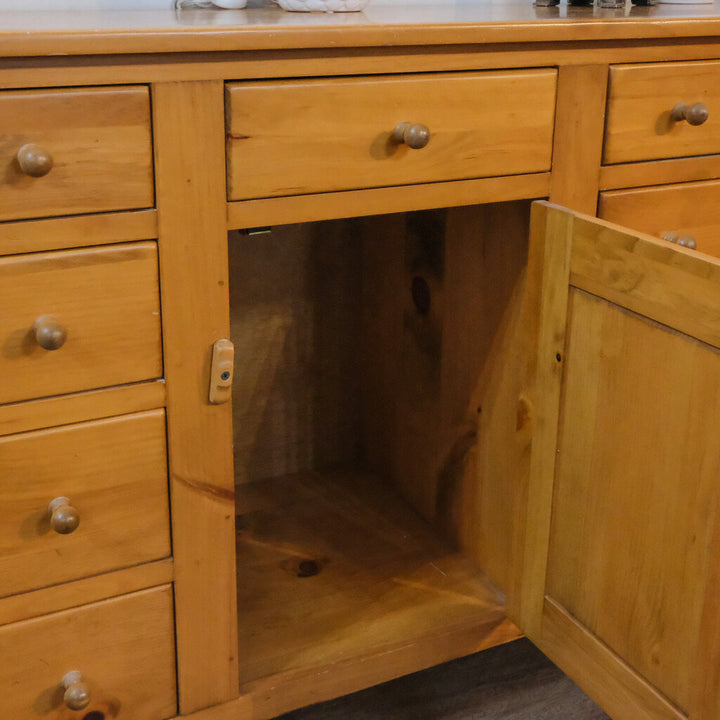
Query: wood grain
{"x": 123, "y": 505}
{"x": 71, "y": 232}
{"x": 672, "y": 285}
{"x": 551, "y": 238}
{"x": 193, "y": 269}
{"x": 634, "y": 499}
{"x": 100, "y": 142}
{"x": 342, "y": 586}
{"x": 687, "y": 209}
{"x": 577, "y": 143}
{"x": 86, "y": 590}
{"x": 348, "y": 123}
{"x": 374, "y": 201}
{"x": 619, "y": 690}
{"x": 640, "y": 100}
{"x": 674, "y": 170}
{"x": 126, "y": 32}
{"x": 65, "y": 409}
{"x": 106, "y": 298}
{"x": 123, "y": 647}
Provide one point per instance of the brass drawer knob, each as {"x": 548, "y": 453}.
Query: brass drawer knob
{"x": 695, "y": 114}
{"x": 34, "y": 160}
{"x": 64, "y": 518}
{"x": 49, "y": 333}
{"x": 414, "y": 135}
{"x": 684, "y": 240}
{"x": 77, "y": 693}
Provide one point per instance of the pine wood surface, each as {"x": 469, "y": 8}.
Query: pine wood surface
{"x": 674, "y": 170}
{"x": 76, "y": 407}
{"x": 264, "y": 26}
{"x": 640, "y": 589}
{"x": 77, "y": 231}
{"x": 510, "y": 682}
{"x": 685, "y": 208}
{"x": 640, "y": 100}
{"x": 100, "y": 142}
{"x": 91, "y": 589}
{"x": 192, "y": 242}
{"x": 659, "y": 280}
{"x": 349, "y": 122}
{"x": 513, "y": 681}
{"x": 123, "y": 507}
{"x": 580, "y": 117}
{"x": 374, "y": 201}
{"x": 549, "y": 267}
{"x": 618, "y": 688}
{"x": 108, "y": 301}
{"x": 124, "y": 647}
{"x": 625, "y": 615}
{"x": 340, "y": 585}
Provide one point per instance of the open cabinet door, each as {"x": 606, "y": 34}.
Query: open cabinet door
{"x": 621, "y": 577}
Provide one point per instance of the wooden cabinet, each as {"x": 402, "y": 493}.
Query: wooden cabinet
{"x": 622, "y": 508}
{"x": 79, "y": 319}
{"x": 85, "y": 547}
{"x": 440, "y": 435}
{"x": 74, "y": 150}
{"x": 307, "y": 136}
{"x": 644, "y": 120}
{"x": 122, "y": 648}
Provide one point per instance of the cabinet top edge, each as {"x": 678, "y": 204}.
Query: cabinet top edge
{"x": 263, "y": 26}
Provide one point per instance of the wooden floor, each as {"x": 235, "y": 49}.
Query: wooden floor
{"x": 509, "y": 682}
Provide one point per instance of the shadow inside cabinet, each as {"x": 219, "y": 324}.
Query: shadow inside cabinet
{"x": 374, "y": 526}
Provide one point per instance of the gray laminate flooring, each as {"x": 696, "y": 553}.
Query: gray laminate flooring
{"x": 513, "y": 681}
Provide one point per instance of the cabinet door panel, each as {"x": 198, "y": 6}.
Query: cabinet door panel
{"x": 621, "y": 543}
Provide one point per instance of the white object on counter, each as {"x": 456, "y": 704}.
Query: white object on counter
{"x": 227, "y": 4}
{"x": 323, "y": 5}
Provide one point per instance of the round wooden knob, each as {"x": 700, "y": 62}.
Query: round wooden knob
{"x": 49, "y": 333}
{"x": 414, "y": 135}
{"x": 77, "y": 693}
{"x": 684, "y": 240}
{"x": 34, "y": 160}
{"x": 64, "y": 518}
{"x": 695, "y": 114}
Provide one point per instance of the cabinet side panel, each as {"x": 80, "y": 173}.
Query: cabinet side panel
{"x": 189, "y": 146}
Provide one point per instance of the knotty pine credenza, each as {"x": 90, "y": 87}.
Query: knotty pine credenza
{"x": 292, "y": 406}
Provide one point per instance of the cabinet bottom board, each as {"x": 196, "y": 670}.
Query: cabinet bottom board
{"x": 341, "y": 586}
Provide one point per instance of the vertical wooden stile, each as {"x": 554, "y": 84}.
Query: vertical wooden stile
{"x": 550, "y": 244}
{"x": 190, "y": 173}
{"x": 577, "y": 146}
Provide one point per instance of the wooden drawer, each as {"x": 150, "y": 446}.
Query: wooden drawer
{"x": 124, "y": 648}
{"x": 309, "y": 136}
{"x": 99, "y": 140}
{"x": 686, "y": 209}
{"x": 113, "y": 473}
{"x": 107, "y": 301}
{"x": 640, "y": 102}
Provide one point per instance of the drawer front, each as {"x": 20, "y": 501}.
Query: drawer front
{"x": 114, "y": 476}
{"x": 686, "y": 209}
{"x": 123, "y": 647}
{"x": 641, "y": 99}
{"x": 308, "y": 136}
{"x": 99, "y": 140}
{"x": 105, "y": 301}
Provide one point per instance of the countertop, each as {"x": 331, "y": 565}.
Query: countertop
{"x": 264, "y": 26}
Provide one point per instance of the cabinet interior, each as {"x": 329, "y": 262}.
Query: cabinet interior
{"x": 373, "y": 525}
